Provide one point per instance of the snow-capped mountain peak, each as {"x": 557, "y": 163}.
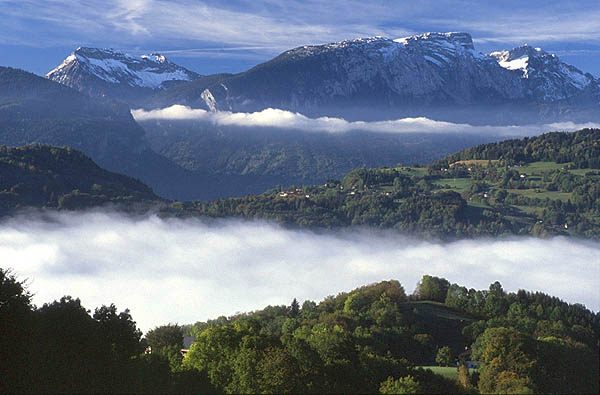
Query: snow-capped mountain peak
{"x": 555, "y": 77}
{"x": 108, "y": 66}
{"x": 457, "y": 39}
{"x": 156, "y": 57}
{"x": 518, "y": 58}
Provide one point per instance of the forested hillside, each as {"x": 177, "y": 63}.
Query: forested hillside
{"x": 63, "y": 178}
{"x": 539, "y": 186}
{"x": 449, "y": 199}
{"x": 375, "y": 338}
{"x": 580, "y": 149}
{"x": 356, "y": 341}
{"x": 34, "y": 110}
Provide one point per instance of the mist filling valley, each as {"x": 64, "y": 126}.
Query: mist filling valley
{"x": 183, "y": 271}
{"x": 278, "y": 118}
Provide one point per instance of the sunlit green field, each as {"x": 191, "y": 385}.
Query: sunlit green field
{"x": 583, "y": 172}
{"x": 479, "y": 162}
{"x": 413, "y": 171}
{"x": 456, "y": 184}
{"x": 538, "y": 168}
{"x": 450, "y": 372}
{"x": 530, "y": 210}
{"x": 554, "y": 195}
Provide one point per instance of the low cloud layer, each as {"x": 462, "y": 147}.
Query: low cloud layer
{"x": 276, "y": 118}
{"x": 186, "y": 270}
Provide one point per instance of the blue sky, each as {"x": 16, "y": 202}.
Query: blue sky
{"x": 217, "y": 36}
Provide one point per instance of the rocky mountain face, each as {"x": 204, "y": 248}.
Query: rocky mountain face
{"x": 35, "y": 110}
{"x": 439, "y": 75}
{"x": 105, "y": 72}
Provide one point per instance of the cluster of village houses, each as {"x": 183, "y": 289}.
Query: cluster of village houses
{"x": 299, "y": 192}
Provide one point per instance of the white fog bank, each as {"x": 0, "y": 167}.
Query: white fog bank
{"x": 185, "y": 270}
{"x": 276, "y": 118}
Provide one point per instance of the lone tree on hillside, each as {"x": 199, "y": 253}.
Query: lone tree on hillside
{"x": 444, "y": 356}
{"x": 432, "y": 288}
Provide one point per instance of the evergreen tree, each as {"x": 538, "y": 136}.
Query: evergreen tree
{"x": 294, "y": 308}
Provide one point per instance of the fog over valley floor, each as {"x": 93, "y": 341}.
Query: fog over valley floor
{"x": 172, "y": 270}
{"x": 277, "y": 118}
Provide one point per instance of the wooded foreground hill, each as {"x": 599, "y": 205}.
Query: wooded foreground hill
{"x": 371, "y": 339}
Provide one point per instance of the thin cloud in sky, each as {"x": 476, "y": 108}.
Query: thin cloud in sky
{"x": 582, "y": 26}
{"x": 173, "y": 270}
{"x": 161, "y": 22}
{"x": 271, "y": 27}
{"x": 292, "y": 23}
{"x": 276, "y": 118}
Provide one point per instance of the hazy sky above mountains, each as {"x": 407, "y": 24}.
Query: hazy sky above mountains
{"x": 186, "y": 270}
{"x": 214, "y": 36}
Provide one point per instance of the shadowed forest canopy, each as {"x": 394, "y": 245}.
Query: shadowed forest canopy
{"x": 45, "y": 176}
{"x": 582, "y": 148}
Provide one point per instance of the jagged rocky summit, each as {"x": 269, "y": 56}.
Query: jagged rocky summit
{"x": 106, "y": 72}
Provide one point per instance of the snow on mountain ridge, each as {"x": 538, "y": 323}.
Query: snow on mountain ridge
{"x": 454, "y": 41}
{"x": 431, "y": 69}
{"x": 460, "y": 39}
{"x": 446, "y": 66}
{"x": 535, "y": 63}
{"x": 115, "y": 67}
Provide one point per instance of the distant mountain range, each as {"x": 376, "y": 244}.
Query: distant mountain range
{"x": 85, "y": 103}
{"x": 181, "y": 161}
{"x": 438, "y": 75}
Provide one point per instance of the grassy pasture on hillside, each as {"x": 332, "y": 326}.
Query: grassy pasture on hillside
{"x": 459, "y": 185}
{"x": 538, "y": 168}
{"x": 480, "y": 162}
{"x": 542, "y": 194}
{"x": 471, "y": 197}
{"x": 586, "y": 172}
{"x": 450, "y": 372}
{"x": 413, "y": 171}
{"x": 530, "y": 210}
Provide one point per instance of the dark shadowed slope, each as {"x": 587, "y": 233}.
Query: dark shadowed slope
{"x": 45, "y": 176}
{"x": 37, "y": 110}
